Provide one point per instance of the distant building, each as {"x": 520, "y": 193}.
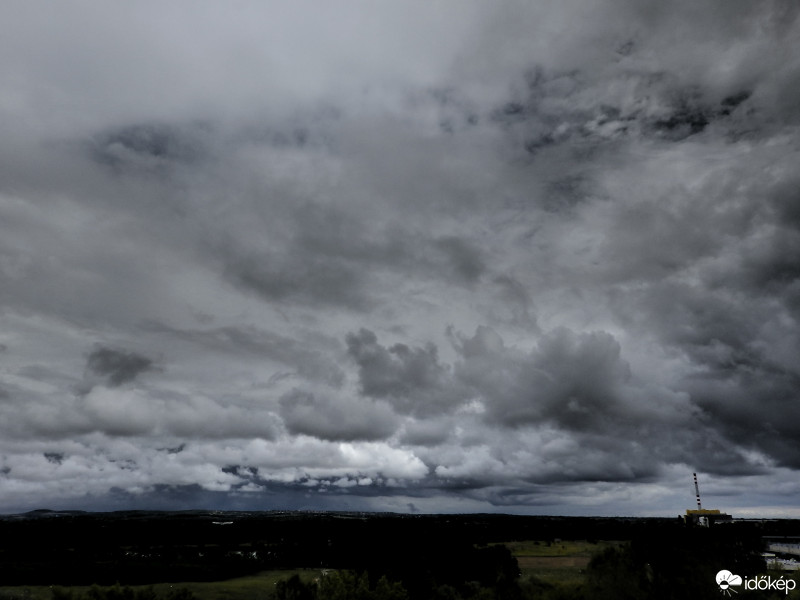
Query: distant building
{"x": 705, "y": 517}
{"x": 784, "y": 546}
{"x": 780, "y": 563}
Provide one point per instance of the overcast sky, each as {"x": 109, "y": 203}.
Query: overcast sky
{"x": 420, "y": 255}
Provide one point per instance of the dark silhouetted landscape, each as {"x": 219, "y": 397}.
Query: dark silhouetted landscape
{"x": 414, "y": 556}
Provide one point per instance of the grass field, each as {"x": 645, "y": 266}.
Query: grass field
{"x": 254, "y": 587}
{"x": 562, "y": 562}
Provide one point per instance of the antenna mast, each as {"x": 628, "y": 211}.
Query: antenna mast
{"x": 697, "y": 492}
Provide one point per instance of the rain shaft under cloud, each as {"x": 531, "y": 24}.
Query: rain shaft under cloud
{"x": 534, "y": 257}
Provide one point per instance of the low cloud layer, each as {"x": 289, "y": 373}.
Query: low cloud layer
{"x": 437, "y": 257}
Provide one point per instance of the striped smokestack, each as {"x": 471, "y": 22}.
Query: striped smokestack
{"x": 697, "y": 492}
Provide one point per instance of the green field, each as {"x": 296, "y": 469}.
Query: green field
{"x": 254, "y": 587}
{"x": 557, "y": 562}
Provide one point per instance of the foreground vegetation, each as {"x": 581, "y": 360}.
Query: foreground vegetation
{"x": 253, "y": 556}
{"x": 639, "y": 569}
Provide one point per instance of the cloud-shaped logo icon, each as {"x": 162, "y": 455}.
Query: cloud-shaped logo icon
{"x": 725, "y": 579}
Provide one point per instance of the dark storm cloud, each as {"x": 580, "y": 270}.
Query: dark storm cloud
{"x": 576, "y": 386}
{"x": 117, "y": 367}
{"x": 54, "y": 457}
{"x": 752, "y": 401}
{"x": 411, "y": 379}
{"x": 733, "y": 314}
{"x": 570, "y": 112}
{"x": 394, "y": 371}
{"x": 575, "y": 381}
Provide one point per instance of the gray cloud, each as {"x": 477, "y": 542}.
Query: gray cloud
{"x": 149, "y": 148}
{"x": 295, "y": 279}
{"x": 573, "y": 380}
{"x": 117, "y": 367}
{"x": 308, "y": 355}
{"x": 412, "y": 379}
{"x": 336, "y": 418}
{"x": 520, "y": 256}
